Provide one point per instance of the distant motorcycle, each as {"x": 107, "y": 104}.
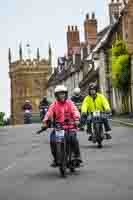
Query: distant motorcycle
{"x": 64, "y": 146}
{"x": 27, "y": 117}
{"x": 97, "y": 118}
{"x": 43, "y": 111}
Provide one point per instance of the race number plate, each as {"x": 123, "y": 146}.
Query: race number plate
{"x": 60, "y": 134}
{"x": 96, "y": 114}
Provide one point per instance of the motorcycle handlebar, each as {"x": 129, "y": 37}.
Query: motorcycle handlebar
{"x": 41, "y": 130}
{"x": 56, "y": 125}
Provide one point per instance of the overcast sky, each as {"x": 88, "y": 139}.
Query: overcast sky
{"x": 40, "y": 22}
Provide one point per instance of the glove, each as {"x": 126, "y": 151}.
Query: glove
{"x": 83, "y": 118}
{"x": 108, "y": 112}
{"x": 43, "y": 128}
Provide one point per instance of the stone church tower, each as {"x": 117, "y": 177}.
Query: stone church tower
{"x": 29, "y": 79}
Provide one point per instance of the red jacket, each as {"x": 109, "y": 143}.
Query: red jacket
{"x": 61, "y": 111}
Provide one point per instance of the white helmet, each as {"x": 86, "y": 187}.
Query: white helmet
{"x": 76, "y": 90}
{"x": 60, "y": 88}
{"x": 27, "y": 101}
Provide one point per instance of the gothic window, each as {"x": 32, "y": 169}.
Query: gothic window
{"x": 19, "y": 88}
{"x": 37, "y": 87}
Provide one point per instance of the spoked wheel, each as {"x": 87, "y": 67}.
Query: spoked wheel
{"x": 100, "y": 144}
{"x": 62, "y": 159}
{"x": 62, "y": 171}
{"x": 72, "y": 169}
{"x": 99, "y": 131}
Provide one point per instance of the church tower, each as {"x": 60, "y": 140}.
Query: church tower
{"x": 29, "y": 79}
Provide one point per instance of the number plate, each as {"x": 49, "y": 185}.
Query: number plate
{"x": 96, "y": 114}
{"x": 60, "y": 134}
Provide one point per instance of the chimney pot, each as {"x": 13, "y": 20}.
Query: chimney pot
{"x": 87, "y": 16}
{"x": 76, "y": 28}
{"x": 93, "y": 15}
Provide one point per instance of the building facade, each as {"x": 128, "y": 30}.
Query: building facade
{"x": 28, "y": 80}
{"x": 92, "y": 58}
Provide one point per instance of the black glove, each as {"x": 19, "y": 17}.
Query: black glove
{"x": 43, "y": 128}
{"x": 83, "y": 118}
{"x": 108, "y": 112}
{"x": 49, "y": 122}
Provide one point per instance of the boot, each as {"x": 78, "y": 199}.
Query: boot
{"x": 54, "y": 164}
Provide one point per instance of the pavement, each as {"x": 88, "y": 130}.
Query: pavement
{"x": 123, "y": 120}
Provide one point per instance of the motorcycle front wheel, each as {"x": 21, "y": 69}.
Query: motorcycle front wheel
{"x": 61, "y": 154}
{"x": 98, "y": 133}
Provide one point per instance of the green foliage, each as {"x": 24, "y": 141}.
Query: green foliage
{"x": 2, "y": 118}
{"x": 120, "y": 66}
{"x": 119, "y": 48}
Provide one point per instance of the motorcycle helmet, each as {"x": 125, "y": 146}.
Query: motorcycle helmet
{"x": 76, "y": 91}
{"x": 59, "y": 89}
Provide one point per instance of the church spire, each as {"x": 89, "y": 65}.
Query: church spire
{"x": 20, "y": 52}
{"x": 50, "y": 54}
{"x": 38, "y": 54}
{"x": 9, "y": 56}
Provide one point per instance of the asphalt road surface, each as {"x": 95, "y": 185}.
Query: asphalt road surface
{"x": 25, "y": 172}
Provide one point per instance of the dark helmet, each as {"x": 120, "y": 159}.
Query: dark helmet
{"x": 92, "y": 86}
{"x": 44, "y": 98}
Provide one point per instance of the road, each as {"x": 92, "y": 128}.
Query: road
{"x": 25, "y": 173}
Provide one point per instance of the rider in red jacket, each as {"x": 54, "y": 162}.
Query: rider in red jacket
{"x": 61, "y": 110}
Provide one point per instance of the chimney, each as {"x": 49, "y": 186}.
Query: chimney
{"x": 90, "y": 30}
{"x": 73, "y": 39}
{"x": 114, "y": 10}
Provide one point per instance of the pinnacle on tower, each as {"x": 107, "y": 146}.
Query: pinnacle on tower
{"x": 50, "y": 54}
{"x": 20, "y": 52}
{"x": 9, "y": 55}
{"x": 28, "y": 50}
{"x": 38, "y": 54}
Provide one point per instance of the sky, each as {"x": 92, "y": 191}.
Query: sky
{"x": 39, "y": 22}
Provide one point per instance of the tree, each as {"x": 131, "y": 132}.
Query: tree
{"x": 120, "y": 65}
{"x": 2, "y": 118}
{"x": 121, "y": 71}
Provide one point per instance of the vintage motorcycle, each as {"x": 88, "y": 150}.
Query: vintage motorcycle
{"x": 97, "y": 119}
{"x": 27, "y": 116}
{"x": 64, "y": 139}
{"x": 43, "y": 110}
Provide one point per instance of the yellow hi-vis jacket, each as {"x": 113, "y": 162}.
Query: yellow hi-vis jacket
{"x": 99, "y": 103}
